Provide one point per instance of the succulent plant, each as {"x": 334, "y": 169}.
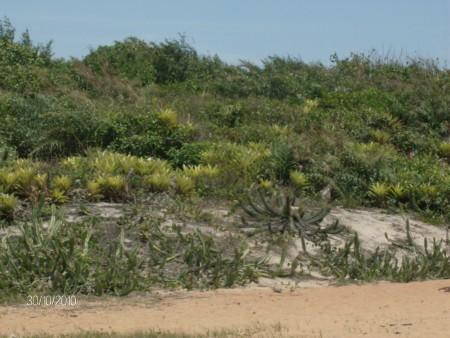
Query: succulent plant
{"x": 278, "y": 213}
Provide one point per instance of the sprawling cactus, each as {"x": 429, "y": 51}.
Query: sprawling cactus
{"x": 280, "y": 214}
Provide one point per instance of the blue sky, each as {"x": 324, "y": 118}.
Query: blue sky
{"x": 243, "y": 29}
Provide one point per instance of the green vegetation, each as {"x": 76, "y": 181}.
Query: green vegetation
{"x": 363, "y": 123}
{"x": 57, "y": 257}
{"x": 351, "y": 262}
{"x": 138, "y": 120}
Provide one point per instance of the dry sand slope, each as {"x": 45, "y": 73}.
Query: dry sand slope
{"x": 420, "y": 309}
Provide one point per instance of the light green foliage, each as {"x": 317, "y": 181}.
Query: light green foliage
{"x": 399, "y": 193}
{"x": 379, "y": 191}
{"x": 298, "y": 180}
{"x": 8, "y": 204}
{"x": 169, "y": 117}
{"x": 159, "y": 182}
{"x": 112, "y": 187}
{"x": 184, "y": 184}
{"x": 232, "y": 158}
{"x": 62, "y": 183}
{"x": 444, "y": 150}
{"x": 380, "y": 136}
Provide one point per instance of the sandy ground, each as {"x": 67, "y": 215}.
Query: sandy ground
{"x": 420, "y": 309}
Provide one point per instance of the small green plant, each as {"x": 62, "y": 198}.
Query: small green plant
{"x": 444, "y": 150}
{"x": 380, "y": 136}
{"x": 184, "y": 184}
{"x": 59, "y": 197}
{"x": 8, "y": 204}
{"x": 159, "y": 182}
{"x": 399, "y": 193}
{"x": 94, "y": 189}
{"x": 169, "y": 117}
{"x": 379, "y": 191}
{"x": 299, "y": 180}
{"x": 281, "y": 161}
{"x": 110, "y": 187}
{"x": 265, "y": 184}
{"x": 62, "y": 183}
{"x": 113, "y": 187}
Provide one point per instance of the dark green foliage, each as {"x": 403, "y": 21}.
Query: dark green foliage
{"x": 144, "y": 134}
{"x": 187, "y": 154}
{"x": 171, "y": 61}
{"x": 21, "y": 63}
{"x": 281, "y": 161}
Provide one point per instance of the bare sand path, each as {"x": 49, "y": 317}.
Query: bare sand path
{"x": 420, "y": 309}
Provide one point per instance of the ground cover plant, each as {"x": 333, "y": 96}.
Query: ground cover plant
{"x": 137, "y": 119}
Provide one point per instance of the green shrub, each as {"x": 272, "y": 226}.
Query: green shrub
{"x": 188, "y": 154}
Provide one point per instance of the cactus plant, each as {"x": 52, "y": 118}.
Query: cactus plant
{"x": 279, "y": 214}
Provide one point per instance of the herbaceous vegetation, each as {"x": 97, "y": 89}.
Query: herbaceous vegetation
{"x": 136, "y": 121}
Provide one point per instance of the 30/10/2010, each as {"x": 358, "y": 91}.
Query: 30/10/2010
{"x": 52, "y": 300}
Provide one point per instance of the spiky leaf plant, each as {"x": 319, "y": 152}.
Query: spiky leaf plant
{"x": 169, "y": 117}
{"x": 62, "y": 183}
{"x": 354, "y": 263}
{"x": 265, "y": 184}
{"x": 113, "y": 187}
{"x": 399, "y": 193}
{"x": 184, "y": 184}
{"x": 59, "y": 197}
{"x": 278, "y": 213}
{"x": 159, "y": 182}
{"x": 94, "y": 189}
{"x": 298, "y": 180}
{"x": 379, "y": 191}
{"x": 110, "y": 187}
{"x": 199, "y": 171}
{"x": 8, "y": 204}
